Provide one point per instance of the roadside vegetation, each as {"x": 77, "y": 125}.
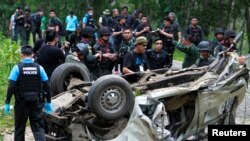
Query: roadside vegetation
{"x": 9, "y": 56}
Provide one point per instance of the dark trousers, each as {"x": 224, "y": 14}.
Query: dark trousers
{"x": 33, "y": 111}
{"x": 170, "y": 51}
{"x": 36, "y": 31}
{"x": 27, "y": 36}
{"x": 68, "y": 34}
{"x": 20, "y": 30}
{"x": 104, "y": 71}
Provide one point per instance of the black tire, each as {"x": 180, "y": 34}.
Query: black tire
{"x": 62, "y": 74}
{"x": 110, "y": 97}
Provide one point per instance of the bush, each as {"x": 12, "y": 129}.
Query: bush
{"x": 9, "y": 56}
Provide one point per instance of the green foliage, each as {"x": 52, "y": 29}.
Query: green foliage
{"x": 137, "y": 92}
{"x": 9, "y": 56}
{"x": 178, "y": 55}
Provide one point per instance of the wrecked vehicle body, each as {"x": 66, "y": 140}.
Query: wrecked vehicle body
{"x": 158, "y": 105}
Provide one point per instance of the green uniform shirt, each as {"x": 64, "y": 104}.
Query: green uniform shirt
{"x": 43, "y": 23}
{"x": 191, "y": 54}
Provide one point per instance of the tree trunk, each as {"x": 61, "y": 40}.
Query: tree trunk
{"x": 242, "y": 37}
{"x": 220, "y": 10}
{"x": 247, "y": 24}
{"x": 229, "y": 8}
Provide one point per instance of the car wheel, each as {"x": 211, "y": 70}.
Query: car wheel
{"x": 110, "y": 97}
{"x": 62, "y": 74}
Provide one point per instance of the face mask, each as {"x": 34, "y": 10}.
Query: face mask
{"x": 90, "y": 13}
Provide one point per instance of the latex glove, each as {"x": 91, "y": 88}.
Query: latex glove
{"x": 47, "y": 107}
{"x": 7, "y": 109}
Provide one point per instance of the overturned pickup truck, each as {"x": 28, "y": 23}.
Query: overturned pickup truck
{"x": 158, "y": 105}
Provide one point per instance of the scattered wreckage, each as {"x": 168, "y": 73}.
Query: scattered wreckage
{"x": 158, "y": 105}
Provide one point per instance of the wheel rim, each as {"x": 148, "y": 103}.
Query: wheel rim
{"x": 112, "y": 99}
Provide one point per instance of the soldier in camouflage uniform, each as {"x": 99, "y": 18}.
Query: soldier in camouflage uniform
{"x": 109, "y": 56}
{"x": 127, "y": 44}
{"x": 167, "y": 36}
{"x": 195, "y": 30}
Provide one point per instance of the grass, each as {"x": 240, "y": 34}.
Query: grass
{"x": 178, "y": 55}
{"x": 9, "y": 56}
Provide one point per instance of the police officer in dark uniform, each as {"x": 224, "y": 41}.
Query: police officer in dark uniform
{"x": 167, "y": 36}
{"x": 109, "y": 56}
{"x": 29, "y": 82}
{"x": 176, "y": 26}
{"x": 195, "y": 31}
{"x": 117, "y": 32}
{"x": 124, "y": 13}
{"x": 37, "y": 21}
{"x": 157, "y": 57}
{"x": 19, "y": 25}
{"x": 50, "y": 56}
{"x": 105, "y": 20}
{"x": 205, "y": 58}
{"x": 28, "y": 24}
{"x": 54, "y": 20}
{"x": 88, "y": 20}
{"x": 144, "y": 29}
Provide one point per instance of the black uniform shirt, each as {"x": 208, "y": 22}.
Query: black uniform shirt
{"x": 157, "y": 60}
{"x": 167, "y": 41}
{"x": 50, "y": 57}
{"x": 135, "y": 61}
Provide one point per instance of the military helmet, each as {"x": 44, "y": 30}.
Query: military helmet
{"x": 219, "y": 30}
{"x": 83, "y": 48}
{"x": 88, "y": 31}
{"x": 229, "y": 33}
{"x": 105, "y": 31}
{"x": 204, "y": 46}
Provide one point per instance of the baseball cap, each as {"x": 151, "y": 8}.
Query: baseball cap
{"x": 141, "y": 40}
{"x": 106, "y": 12}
